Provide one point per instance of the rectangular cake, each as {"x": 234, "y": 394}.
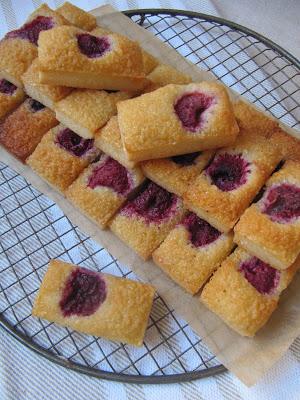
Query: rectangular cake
{"x": 245, "y": 291}
{"x": 76, "y": 16}
{"x": 192, "y": 251}
{"x": 61, "y": 156}
{"x": 177, "y": 119}
{"x": 163, "y": 75}
{"x": 270, "y": 228}
{"x": 94, "y": 303}
{"x": 102, "y": 189}
{"x": 231, "y": 181}
{"x": 145, "y": 220}
{"x": 23, "y": 129}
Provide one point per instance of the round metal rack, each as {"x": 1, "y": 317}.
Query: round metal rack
{"x": 33, "y": 229}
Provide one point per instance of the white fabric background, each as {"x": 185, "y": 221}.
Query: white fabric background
{"x": 24, "y": 375}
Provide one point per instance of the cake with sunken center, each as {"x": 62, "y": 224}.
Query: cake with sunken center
{"x": 176, "y": 173}
{"x": 94, "y": 303}
{"x": 192, "y": 251}
{"x": 45, "y": 94}
{"x": 85, "y": 110}
{"x": 270, "y": 228}
{"x": 245, "y": 291}
{"x": 76, "y": 16}
{"x": 222, "y": 192}
{"x": 24, "y": 128}
{"x": 10, "y": 97}
{"x": 72, "y": 57}
{"x": 18, "y": 48}
{"x": 61, "y": 156}
{"x": 177, "y": 119}
{"x": 108, "y": 139}
{"x": 146, "y": 219}
{"x": 103, "y": 188}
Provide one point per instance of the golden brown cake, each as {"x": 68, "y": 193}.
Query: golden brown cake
{"x": 163, "y": 75}
{"x": 85, "y": 110}
{"x": 176, "y": 173}
{"x": 71, "y": 57}
{"x": 108, "y": 139}
{"x": 76, "y": 16}
{"x": 228, "y": 185}
{"x": 245, "y": 291}
{"x": 45, "y": 94}
{"x": 192, "y": 251}
{"x": 270, "y": 228}
{"x": 10, "y": 97}
{"x": 19, "y": 47}
{"x": 94, "y": 303}
{"x": 149, "y": 61}
{"x": 61, "y": 156}
{"x": 253, "y": 121}
{"x": 177, "y": 119}
{"x": 102, "y": 189}
{"x": 287, "y": 144}
{"x": 145, "y": 221}
{"x": 22, "y": 130}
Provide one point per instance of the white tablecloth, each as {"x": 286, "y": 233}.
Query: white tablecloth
{"x": 25, "y": 375}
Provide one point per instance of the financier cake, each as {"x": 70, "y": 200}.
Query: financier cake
{"x": 102, "y": 189}
{"x": 245, "y": 291}
{"x": 72, "y": 57}
{"x": 146, "y": 219}
{"x": 61, "y": 156}
{"x": 23, "y": 129}
{"x": 18, "y": 48}
{"x": 76, "y": 16}
{"x": 222, "y": 192}
{"x": 177, "y": 119}
{"x": 94, "y": 303}
{"x": 192, "y": 251}
{"x": 270, "y": 228}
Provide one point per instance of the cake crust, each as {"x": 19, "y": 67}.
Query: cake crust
{"x": 155, "y": 131}
{"x": 56, "y": 165}
{"x": 62, "y": 63}
{"x": 122, "y": 316}
{"x": 22, "y": 130}
{"x": 76, "y": 16}
{"x": 164, "y": 75}
{"x": 288, "y": 145}
{"x": 9, "y": 102}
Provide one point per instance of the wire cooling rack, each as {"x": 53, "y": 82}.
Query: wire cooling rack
{"x": 33, "y": 229}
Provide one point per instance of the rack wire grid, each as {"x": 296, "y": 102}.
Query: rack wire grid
{"x": 33, "y": 229}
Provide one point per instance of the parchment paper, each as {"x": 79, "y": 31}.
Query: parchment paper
{"x": 247, "y": 358}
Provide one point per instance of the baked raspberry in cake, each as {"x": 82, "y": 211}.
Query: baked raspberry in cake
{"x": 94, "y": 303}
{"x": 85, "y": 110}
{"x": 288, "y": 145}
{"x": 19, "y": 47}
{"x": 76, "y": 16}
{"x": 10, "y": 97}
{"x": 245, "y": 291}
{"x": 24, "y": 128}
{"x": 45, "y": 94}
{"x": 145, "y": 220}
{"x": 222, "y": 192}
{"x": 61, "y": 156}
{"x": 192, "y": 251}
{"x": 103, "y": 188}
{"x": 108, "y": 139}
{"x": 177, "y": 119}
{"x": 270, "y": 228}
{"x": 176, "y": 173}
{"x": 251, "y": 120}
{"x": 164, "y": 75}
{"x": 71, "y": 57}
